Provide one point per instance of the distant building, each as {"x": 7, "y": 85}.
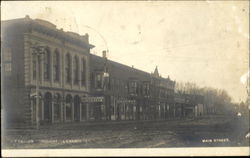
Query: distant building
{"x": 189, "y": 105}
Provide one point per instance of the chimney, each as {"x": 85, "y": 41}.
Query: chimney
{"x": 104, "y": 55}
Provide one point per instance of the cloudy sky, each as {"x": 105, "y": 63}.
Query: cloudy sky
{"x": 203, "y": 42}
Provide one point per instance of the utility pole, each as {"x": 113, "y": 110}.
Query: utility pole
{"x": 37, "y": 51}
{"x": 105, "y": 82}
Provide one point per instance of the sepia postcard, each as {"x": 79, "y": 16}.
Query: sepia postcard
{"x": 125, "y": 78}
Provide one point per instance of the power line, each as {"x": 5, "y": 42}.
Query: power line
{"x": 106, "y": 44}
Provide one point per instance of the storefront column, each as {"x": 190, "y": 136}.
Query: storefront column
{"x": 72, "y": 110}
{"x": 87, "y": 111}
{"x": 52, "y": 111}
{"x": 32, "y": 111}
{"x": 105, "y": 111}
{"x": 42, "y": 104}
{"x": 125, "y": 111}
{"x": 164, "y": 112}
{"x": 61, "y": 111}
{"x": 64, "y": 112}
{"x": 159, "y": 111}
{"x": 174, "y": 110}
{"x": 115, "y": 110}
{"x": 80, "y": 112}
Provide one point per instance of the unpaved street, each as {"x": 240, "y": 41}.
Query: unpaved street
{"x": 207, "y": 131}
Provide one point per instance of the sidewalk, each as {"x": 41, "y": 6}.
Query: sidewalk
{"x": 79, "y": 125}
{"x": 101, "y": 123}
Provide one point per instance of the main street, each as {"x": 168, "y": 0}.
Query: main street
{"x": 207, "y": 131}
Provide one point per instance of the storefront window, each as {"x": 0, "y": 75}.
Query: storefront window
{"x": 57, "y": 107}
{"x": 68, "y": 107}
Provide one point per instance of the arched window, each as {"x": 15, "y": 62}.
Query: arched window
{"x": 68, "y": 68}
{"x": 83, "y": 72}
{"x": 56, "y": 66}
{"x": 47, "y": 64}
{"x": 76, "y": 70}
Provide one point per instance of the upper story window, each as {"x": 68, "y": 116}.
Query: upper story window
{"x": 138, "y": 88}
{"x": 146, "y": 89}
{"x": 166, "y": 93}
{"x": 163, "y": 93}
{"x": 112, "y": 83}
{"x": 68, "y": 68}
{"x": 122, "y": 86}
{"x": 76, "y": 70}
{"x": 98, "y": 80}
{"x": 7, "y": 59}
{"x": 47, "y": 64}
{"x": 117, "y": 84}
{"x": 109, "y": 84}
{"x": 132, "y": 87}
{"x": 83, "y": 72}
{"x": 56, "y": 65}
{"x": 34, "y": 66}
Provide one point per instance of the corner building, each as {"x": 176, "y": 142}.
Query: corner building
{"x": 63, "y": 72}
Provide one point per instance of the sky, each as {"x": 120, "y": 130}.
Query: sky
{"x": 205, "y": 42}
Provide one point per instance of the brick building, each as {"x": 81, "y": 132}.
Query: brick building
{"x": 129, "y": 93}
{"x": 63, "y": 72}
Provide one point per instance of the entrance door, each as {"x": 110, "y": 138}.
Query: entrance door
{"x": 77, "y": 108}
{"x": 57, "y": 108}
{"x": 68, "y": 108}
{"x": 84, "y": 111}
{"x": 48, "y": 107}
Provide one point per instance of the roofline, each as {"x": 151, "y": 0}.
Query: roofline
{"x": 55, "y": 30}
{"x": 132, "y": 68}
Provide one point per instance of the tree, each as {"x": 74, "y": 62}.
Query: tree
{"x": 214, "y": 99}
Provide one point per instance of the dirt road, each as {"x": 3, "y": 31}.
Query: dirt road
{"x": 208, "y": 131}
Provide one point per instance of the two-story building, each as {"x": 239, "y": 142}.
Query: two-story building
{"x": 61, "y": 70}
{"x": 128, "y": 93}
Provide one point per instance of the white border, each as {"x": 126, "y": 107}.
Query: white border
{"x": 204, "y": 151}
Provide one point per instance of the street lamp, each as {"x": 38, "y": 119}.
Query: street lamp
{"x": 37, "y": 51}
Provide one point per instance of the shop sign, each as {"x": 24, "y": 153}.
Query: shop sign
{"x": 179, "y": 100}
{"x": 92, "y": 99}
{"x": 126, "y": 101}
